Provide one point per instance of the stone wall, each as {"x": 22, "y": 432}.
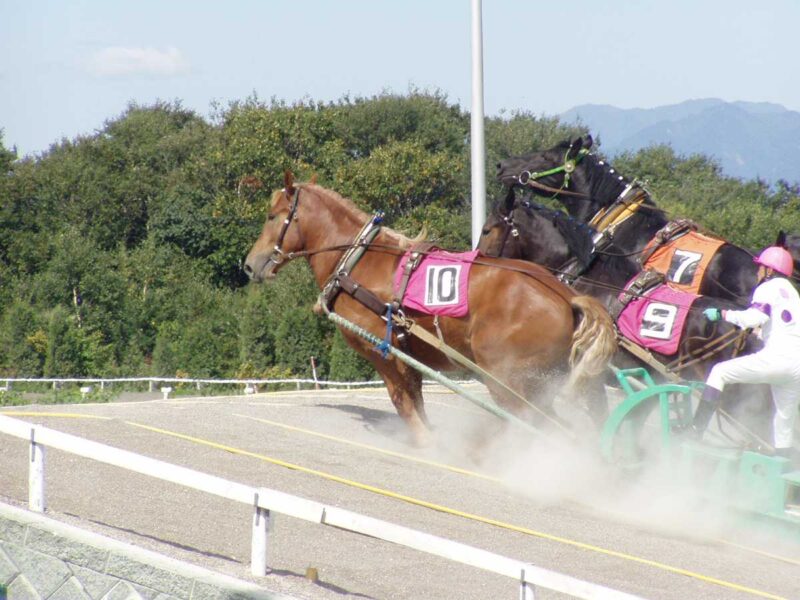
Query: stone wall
{"x": 43, "y": 559}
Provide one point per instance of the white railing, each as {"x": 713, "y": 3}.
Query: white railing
{"x": 249, "y": 386}
{"x": 152, "y": 381}
{"x": 265, "y": 501}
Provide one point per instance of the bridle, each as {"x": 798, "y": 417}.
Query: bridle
{"x": 531, "y": 179}
{"x": 278, "y": 256}
{"x": 510, "y": 229}
{"x": 629, "y": 201}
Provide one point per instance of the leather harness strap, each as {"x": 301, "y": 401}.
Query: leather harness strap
{"x": 622, "y": 209}
{"x": 417, "y": 253}
{"x": 366, "y": 297}
{"x": 348, "y": 262}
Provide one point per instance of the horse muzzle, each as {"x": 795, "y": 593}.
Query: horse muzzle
{"x": 261, "y": 268}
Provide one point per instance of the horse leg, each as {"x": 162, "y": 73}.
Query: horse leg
{"x": 537, "y": 406}
{"x": 404, "y": 384}
{"x": 594, "y": 394}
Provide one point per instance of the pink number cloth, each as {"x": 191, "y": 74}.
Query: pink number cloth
{"x": 439, "y": 285}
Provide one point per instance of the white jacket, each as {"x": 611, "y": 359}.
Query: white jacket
{"x": 776, "y": 309}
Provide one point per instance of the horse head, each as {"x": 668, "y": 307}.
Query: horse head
{"x": 499, "y": 235}
{"x": 278, "y": 239}
{"x": 527, "y": 230}
{"x": 548, "y": 167}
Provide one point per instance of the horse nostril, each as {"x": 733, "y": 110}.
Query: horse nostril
{"x": 248, "y": 270}
{"x": 499, "y": 166}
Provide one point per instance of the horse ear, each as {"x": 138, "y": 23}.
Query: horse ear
{"x": 587, "y": 142}
{"x": 313, "y": 179}
{"x": 574, "y": 147}
{"x": 780, "y": 241}
{"x": 288, "y": 181}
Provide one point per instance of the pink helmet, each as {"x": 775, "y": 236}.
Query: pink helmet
{"x": 776, "y": 258}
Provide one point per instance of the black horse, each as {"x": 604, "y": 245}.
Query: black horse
{"x": 529, "y": 231}
{"x": 791, "y": 241}
{"x": 590, "y": 188}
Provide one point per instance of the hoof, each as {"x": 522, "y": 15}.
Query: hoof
{"x": 422, "y": 439}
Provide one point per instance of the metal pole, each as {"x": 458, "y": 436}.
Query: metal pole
{"x": 478, "y": 147}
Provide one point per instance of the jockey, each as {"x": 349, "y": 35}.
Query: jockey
{"x": 776, "y": 309}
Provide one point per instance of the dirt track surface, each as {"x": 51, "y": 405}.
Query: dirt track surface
{"x": 561, "y": 510}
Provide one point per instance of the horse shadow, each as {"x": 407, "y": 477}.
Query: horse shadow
{"x": 381, "y": 422}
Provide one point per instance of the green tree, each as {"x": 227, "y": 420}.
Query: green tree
{"x": 72, "y": 351}
{"x": 23, "y": 340}
{"x": 202, "y": 342}
{"x": 7, "y": 157}
{"x": 399, "y": 177}
{"x": 346, "y": 364}
{"x": 121, "y": 250}
{"x": 301, "y": 335}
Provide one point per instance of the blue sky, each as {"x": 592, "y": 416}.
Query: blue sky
{"x": 68, "y": 66}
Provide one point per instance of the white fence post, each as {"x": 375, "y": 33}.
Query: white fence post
{"x": 36, "y": 499}
{"x": 258, "y": 546}
{"x": 526, "y": 590}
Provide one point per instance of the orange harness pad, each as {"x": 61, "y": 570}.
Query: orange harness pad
{"x": 684, "y": 260}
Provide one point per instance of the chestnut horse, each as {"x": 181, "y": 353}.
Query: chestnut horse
{"x": 523, "y": 325}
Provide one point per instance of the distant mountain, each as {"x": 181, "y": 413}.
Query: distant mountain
{"x": 747, "y": 139}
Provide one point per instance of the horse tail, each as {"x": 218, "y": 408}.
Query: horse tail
{"x": 594, "y": 340}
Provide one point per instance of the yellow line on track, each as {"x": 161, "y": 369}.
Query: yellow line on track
{"x": 466, "y": 515}
{"x": 19, "y": 413}
{"x": 418, "y": 502}
{"x": 469, "y": 473}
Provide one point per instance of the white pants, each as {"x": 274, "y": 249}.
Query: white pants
{"x": 781, "y": 371}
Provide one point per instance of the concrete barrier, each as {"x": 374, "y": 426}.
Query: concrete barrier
{"x": 44, "y": 558}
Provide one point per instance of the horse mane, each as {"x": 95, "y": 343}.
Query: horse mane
{"x": 402, "y": 241}
{"x": 606, "y": 184}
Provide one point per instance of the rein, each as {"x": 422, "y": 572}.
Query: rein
{"x": 546, "y": 188}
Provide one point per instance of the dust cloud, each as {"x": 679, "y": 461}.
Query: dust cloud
{"x": 556, "y": 468}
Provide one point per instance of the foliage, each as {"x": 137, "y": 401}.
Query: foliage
{"x": 7, "y": 157}
{"x": 121, "y": 251}
{"x": 346, "y": 364}
{"x": 747, "y": 213}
